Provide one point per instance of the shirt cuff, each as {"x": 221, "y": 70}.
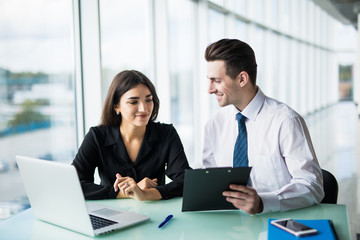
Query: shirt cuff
{"x": 271, "y": 203}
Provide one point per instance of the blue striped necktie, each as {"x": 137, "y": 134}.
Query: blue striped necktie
{"x": 240, "y": 149}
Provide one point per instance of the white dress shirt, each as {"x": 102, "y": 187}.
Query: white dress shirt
{"x": 285, "y": 171}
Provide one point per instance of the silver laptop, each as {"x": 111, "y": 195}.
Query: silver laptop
{"x": 55, "y": 195}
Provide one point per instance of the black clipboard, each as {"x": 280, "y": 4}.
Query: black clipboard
{"x": 203, "y": 187}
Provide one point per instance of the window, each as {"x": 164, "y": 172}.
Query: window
{"x": 218, "y": 2}
{"x": 284, "y": 16}
{"x": 181, "y": 52}
{"x": 37, "y": 99}
{"x": 125, "y": 35}
{"x": 240, "y": 7}
{"x": 216, "y": 26}
{"x": 271, "y": 13}
{"x": 258, "y": 46}
{"x": 285, "y": 82}
{"x": 240, "y": 30}
{"x": 256, "y": 9}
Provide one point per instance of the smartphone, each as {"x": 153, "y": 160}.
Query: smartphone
{"x": 294, "y": 227}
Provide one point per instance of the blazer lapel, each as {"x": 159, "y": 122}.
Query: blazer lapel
{"x": 115, "y": 141}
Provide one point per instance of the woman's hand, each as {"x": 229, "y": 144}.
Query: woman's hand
{"x": 147, "y": 183}
{"x": 130, "y": 189}
{"x": 127, "y": 188}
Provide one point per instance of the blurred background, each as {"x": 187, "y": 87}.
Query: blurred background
{"x": 57, "y": 59}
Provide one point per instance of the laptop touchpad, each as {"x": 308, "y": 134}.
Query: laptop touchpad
{"x": 107, "y": 212}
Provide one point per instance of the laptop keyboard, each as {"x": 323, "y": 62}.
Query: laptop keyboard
{"x": 98, "y": 222}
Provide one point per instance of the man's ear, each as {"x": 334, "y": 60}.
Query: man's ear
{"x": 243, "y": 78}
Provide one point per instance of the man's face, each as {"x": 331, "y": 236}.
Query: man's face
{"x": 225, "y": 88}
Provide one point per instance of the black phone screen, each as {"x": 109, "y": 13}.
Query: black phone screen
{"x": 293, "y": 225}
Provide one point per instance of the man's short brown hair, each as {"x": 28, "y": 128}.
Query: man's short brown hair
{"x": 237, "y": 55}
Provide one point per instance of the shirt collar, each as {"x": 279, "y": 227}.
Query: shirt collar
{"x": 253, "y": 108}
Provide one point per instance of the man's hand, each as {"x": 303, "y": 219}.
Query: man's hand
{"x": 244, "y": 198}
{"x": 147, "y": 183}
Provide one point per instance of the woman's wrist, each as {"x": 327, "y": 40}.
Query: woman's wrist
{"x": 121, "y": 195}
{"x": 149, "y": 194}
{"x": 139, "y": 194}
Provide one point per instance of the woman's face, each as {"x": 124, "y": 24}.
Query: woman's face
{"x": 136, "y": 106}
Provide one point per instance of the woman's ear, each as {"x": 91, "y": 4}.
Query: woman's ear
{"x": 117, "y": 109}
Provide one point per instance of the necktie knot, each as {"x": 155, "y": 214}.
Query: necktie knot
{"x": 240, "y": 118}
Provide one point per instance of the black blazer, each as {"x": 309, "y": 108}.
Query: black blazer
{"x": 161, "y": 153}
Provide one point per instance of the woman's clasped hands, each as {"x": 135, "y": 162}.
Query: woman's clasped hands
{"x": 128, "y": 188}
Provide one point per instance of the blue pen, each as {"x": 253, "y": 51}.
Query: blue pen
{"x": 165, "y": 221}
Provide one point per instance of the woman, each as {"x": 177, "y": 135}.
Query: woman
{"x": 130, "y": 150}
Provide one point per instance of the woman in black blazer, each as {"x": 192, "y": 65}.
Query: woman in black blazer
{"x": 132, "y": 152}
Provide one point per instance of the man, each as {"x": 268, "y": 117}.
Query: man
{"x": 285, "y": 172}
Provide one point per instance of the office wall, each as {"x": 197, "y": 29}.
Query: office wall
{"x": 293, "y": 42}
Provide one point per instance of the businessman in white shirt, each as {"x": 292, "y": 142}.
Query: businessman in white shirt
{"x": 285, "y": 172}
